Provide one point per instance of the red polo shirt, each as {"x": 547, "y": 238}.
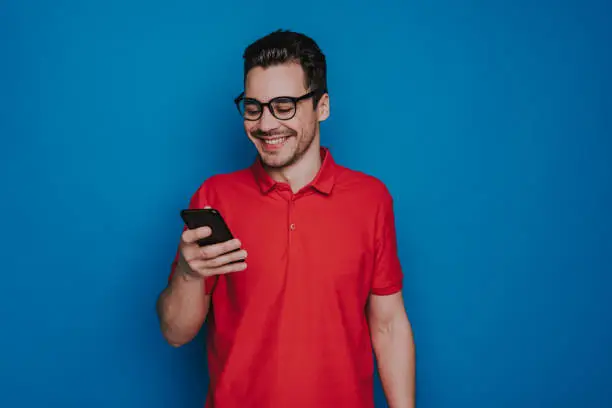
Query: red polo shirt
{"x": 290, "y": 331}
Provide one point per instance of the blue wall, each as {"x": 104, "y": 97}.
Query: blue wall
{"x": 491, "y": 125}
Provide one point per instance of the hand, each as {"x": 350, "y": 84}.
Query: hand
{"x": 201, "y": 262}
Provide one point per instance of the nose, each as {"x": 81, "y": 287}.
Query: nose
{"x": 267, "y": 121}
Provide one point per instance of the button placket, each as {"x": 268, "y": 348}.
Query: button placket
{"x": 291, "y": 213}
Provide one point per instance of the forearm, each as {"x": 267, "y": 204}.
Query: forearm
{"x": 182, "y": 309}
{"x": 395, "y": 354}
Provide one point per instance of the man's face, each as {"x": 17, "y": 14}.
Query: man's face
{"x": 281, "y": 143}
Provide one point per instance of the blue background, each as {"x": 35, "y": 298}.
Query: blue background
{"x": 490, "y": 123}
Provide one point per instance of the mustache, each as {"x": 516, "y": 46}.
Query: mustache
{"x": 258, "y": 133}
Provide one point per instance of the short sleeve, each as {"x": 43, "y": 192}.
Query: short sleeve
{"x": 198, "y": 200}
{"x": 387, "y": 276}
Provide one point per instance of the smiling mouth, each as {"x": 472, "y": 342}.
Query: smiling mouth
{"x": 275, "y": 140}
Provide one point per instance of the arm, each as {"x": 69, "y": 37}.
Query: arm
{"x": 393, "y": 344}
{"x": 182, "y": 307}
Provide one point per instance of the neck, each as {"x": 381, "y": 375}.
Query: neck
{"x": 302, "y": 172}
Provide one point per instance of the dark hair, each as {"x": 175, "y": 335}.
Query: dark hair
{"x": 284, "y": 46}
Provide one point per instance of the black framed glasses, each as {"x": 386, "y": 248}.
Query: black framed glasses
{"x": 281, "y": 107}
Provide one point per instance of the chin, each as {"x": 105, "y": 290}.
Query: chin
{"x": 275, "y": 161}
{"x": 280, "y": 158}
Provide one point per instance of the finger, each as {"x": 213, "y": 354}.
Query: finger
{"x": 192, "y": 235}
{"x": 227, "y": 258}
{"x": 201, "y": 268}
{"x": 213, "y": 251}
{"x": 229, "y": 268}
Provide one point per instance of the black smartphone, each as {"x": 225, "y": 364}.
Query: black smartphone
{"x": 207, "y": 217}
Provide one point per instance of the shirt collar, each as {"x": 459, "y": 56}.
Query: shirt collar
{"x": 323, "y": 181}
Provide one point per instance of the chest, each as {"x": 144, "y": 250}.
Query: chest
{"x": 308, "y": 245}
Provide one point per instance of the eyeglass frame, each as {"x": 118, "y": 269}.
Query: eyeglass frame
{"x": 268, "y": 104}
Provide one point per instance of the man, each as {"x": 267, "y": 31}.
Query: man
{"x": 295, "y": 324}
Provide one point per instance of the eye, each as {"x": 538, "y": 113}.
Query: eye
{"x": 251, "y": 108}
{"x": 284, "y": 106}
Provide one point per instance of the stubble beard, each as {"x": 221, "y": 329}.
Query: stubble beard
{"x": 303, "y": 146}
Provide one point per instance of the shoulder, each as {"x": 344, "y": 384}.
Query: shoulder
{"x": 221, "y": 184}
{"x": 367, "y": 192}
{"x": 224, "y": 181}
{"x": 362, "y": 184}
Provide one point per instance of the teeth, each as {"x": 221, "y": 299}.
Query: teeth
{"x": 275, "y": 141}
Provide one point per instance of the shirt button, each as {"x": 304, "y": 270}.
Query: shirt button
{"x": 292, "y": 227}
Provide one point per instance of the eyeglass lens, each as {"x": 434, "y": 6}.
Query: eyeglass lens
{"x": 281, "y": 108}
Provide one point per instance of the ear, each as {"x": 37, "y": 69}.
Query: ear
{"x": 323, "y": 108}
